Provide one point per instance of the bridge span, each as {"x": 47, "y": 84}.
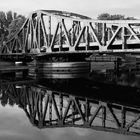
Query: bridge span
{"x": 51, "y": 32}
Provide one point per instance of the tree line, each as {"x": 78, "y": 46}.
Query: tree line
{"x": 10, "y": 23}
{"x": 107, "y": 16}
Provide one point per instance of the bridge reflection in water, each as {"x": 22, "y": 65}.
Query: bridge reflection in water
{"x": 48, "y": 107}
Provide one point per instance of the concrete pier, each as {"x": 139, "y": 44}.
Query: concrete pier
{"x": 43, "y": 69}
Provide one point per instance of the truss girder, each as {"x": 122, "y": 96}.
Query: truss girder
{"x": 58, "y": 31}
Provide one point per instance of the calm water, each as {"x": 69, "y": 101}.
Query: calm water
{"x": 17, "y": 102}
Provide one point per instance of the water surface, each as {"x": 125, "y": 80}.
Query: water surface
{"x": 15, "y": 122}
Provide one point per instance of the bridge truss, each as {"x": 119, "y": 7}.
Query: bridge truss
{"x": 50, "y": 31}
{"x": 47, "y": 108}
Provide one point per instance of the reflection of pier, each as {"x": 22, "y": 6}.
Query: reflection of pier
{"x": 46, "y": 108}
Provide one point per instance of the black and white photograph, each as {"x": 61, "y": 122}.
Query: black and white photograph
{"x": 69, "y": 70}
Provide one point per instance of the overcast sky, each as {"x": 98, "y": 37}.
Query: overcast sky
{"x": 90, "y": 8}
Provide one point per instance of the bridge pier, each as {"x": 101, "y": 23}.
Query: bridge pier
{"x": 58, "y": 69}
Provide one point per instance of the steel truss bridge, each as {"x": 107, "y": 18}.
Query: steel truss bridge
{"x": 51, "y": 32}
{"x": 48, "y": 108}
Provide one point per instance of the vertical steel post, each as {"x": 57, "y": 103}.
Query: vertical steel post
{"x": 60, "y": 35}
{"x": 38, "y": 22}
{"x": 87, "y": 37}
{"x": 73, "y": 112}
{"x": 50, "y": 109}
{"x": 23, "y": 40}
{"x": 40, "y": 111}
{"x": 123, "y": 38}
{"x": 87, "y": 110}
{"x": 108, "y": 34}
{"x": 104, "y": 34}
{"x": 103, "y": 116}
{"x": 49, "y": 30}
{"x": 73, "y": 33}
{"x": 123, "y": 117}
{"x": 30, "y": 34}
{"x": 61, "y": 106}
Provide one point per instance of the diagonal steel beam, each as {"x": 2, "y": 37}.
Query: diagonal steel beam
{"x": 65, "y": 32}
{"x": 132, "y": 122}
{"x": 34, "y": 28}
{"x": 113, "y": 37}
{"x": 44, "y": 30}
{"x": 46, "y": 106}
{"x": 94, "y": 35}
{"x": 66, "y": 110}
{"x": 79, "y": 37}
{"x": 54, "y": 36}
{"x": 55, "y": 107}
{"x": 79, "y": 109}
{"x": 114, "y": 116}
{"x": 26, "y": 35}
{"x": 95, "y": 114}
{"x": 132, "y": 32}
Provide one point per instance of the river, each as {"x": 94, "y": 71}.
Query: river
{"x": 23, "y": 100}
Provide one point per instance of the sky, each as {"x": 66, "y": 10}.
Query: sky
{"x": 91, "y": 8}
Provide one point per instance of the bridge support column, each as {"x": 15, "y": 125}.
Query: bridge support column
{"x": 58, "y": 70}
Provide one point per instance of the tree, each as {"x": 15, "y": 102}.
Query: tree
{"x": 117, "y": 17}
{"x": 15, "y": 26}
{"x": 106, "y": 16}
{"x": 9, "y": 17}
{"x": 3, "y": 26}
{"x": 3, "y": 19}
{"x": 10, "y": 22}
